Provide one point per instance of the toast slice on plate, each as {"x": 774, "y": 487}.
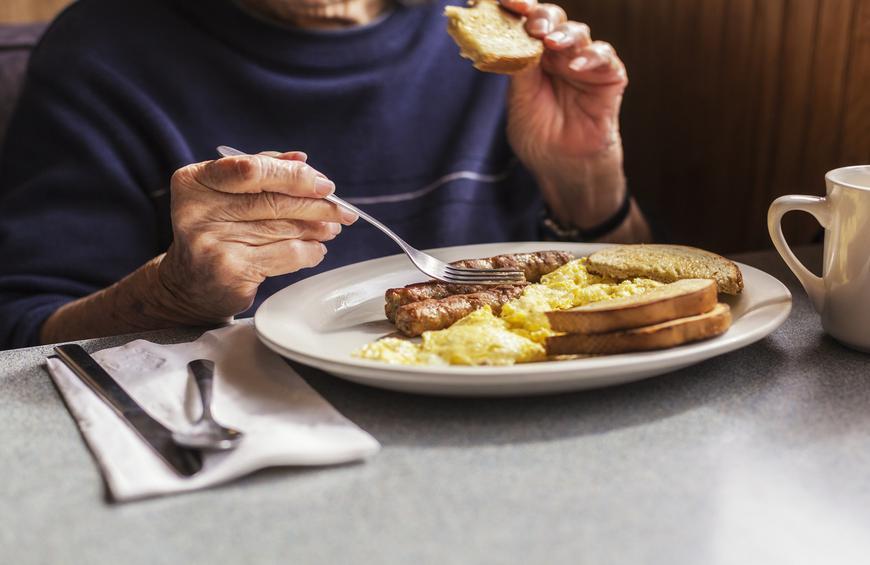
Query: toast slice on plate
{"x": 658, "y": 336}
{"x": 667, "y": 264}
{"x": 493, "y": 38}
{"x": 680, "y": 299}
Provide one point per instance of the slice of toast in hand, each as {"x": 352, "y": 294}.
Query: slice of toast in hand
{"x": 680, "y": 299}
{"x": 658, "y": 336}
{"x": 493, "y": 38}
{"x": 667, "y": 263}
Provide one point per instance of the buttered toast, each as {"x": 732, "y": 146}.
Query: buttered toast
{"x": 667, "y": 263}
{"x": 493, "y": 38}
{"x": 680, "y": 299}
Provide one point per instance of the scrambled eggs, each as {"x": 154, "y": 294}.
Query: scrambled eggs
{"x": 518, "y": 334}
{"x": 479, "y": 338}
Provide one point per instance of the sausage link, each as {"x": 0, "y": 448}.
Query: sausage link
{"x": 432, "y": 290}
{"x": 534, "y": 266}
{"x": 436, "y": 314}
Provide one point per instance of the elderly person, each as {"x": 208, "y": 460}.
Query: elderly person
{"x": 115, "y": 217}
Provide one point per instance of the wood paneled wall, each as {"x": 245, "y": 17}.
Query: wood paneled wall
{"x": 24, "y": 11}
{"x": 735, "y": 102}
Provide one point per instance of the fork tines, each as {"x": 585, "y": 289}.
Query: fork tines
{"x": 484, "y": 276}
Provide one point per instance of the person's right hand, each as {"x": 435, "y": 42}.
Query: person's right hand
{"x": 238, "y": 220}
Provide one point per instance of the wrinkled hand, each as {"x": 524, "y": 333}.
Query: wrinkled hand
{"x": 238, "y": 220}
{"x": 563, "y": 115}
{"x": 569, "y": 104}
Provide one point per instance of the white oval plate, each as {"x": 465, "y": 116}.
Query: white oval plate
{"x": 321, "y": 320}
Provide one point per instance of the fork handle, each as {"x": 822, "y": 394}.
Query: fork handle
{"x": 348, "y": 206}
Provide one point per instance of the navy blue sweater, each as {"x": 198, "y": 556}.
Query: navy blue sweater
{"x": 121, "y": 94}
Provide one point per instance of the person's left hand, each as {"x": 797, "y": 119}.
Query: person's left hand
{"x": 563, "y": 114}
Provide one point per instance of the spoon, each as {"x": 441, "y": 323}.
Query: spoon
{"x": 205, "y": 432}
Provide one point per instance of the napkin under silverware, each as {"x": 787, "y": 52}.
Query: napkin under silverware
{"x": 285, "y": 421}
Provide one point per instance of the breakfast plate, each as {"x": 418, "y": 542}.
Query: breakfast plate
{"x": 322, "y": 320}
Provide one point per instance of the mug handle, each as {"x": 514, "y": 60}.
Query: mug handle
{"x": 819, "y": 208}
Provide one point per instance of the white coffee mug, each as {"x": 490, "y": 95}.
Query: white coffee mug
{"x": 842, "y": 294}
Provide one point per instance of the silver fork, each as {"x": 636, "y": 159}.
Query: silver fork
{"x": 429, "y": 265}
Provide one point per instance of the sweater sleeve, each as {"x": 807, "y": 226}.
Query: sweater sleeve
{"x": 75, "y": 215}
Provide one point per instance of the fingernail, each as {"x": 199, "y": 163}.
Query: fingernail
{"x": 323, "y": 187}
{"x": 557, "y": 37}
{"x": 348, "y": 217}
{"x": 579, "y": 64}
{"x": 334, "y": 228}
{"x": 323, "y": 248}
{"x": 540, "y": 27}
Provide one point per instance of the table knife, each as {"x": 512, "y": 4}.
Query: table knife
{"x": 185, "y": 462}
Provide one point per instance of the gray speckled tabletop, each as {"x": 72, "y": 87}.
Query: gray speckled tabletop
{"x": 757, "y": 456}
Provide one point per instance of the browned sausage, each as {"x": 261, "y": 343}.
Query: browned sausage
{"x": 432, "y": 290}
{"x": 534, "y": 265}
{"x": 437, "y": 314}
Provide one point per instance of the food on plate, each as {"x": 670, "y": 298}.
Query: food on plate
{"x": 395, "y": 298}
{"x": 658, "y": 336}
{"x": 436, "y": 314}
{"x": 480, "y": 338}
{"x": 568, "y": 286}
{"x": 688, "y": 297}
{"x": 534, "y": 266}
{"x": 517, "y": 333}
{"x": 667, "y": 263}
{"x": 663, "y": 296}
{"x": 493, "y": 38}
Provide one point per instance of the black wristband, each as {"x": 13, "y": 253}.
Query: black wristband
{"x": 554, "y": 231}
